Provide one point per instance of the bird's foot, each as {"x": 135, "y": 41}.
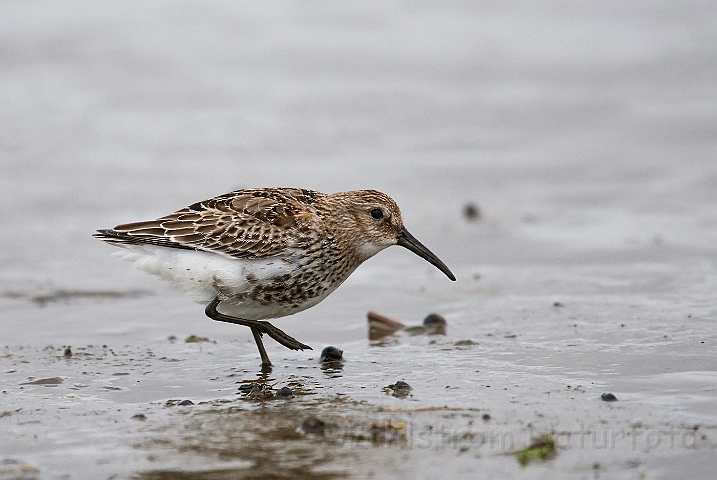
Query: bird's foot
{"x": 279, "y": 336}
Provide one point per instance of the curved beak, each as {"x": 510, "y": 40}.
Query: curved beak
{"x": 407, "y": 240}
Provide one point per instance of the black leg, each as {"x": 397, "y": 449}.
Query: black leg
{"x": 265, "y": 362}
{"x": 257, "y": 329}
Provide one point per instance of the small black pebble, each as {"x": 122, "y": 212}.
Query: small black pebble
{"x": 185, "y": 403}
{"x": 557, "y": 304}
{"x": 486, "y": 417}
{"x": 172, "y": 338}
{"x": 139, "y": 416}
{"x": 285, "y": 392}
{"x": 434, "y": 319}
{"x": 68, "y": 352}
{"x": 471, "y": 212}
{"x": 313, "y": 424}
{"x": 401, "y": 386}
{"x": 608, "y": 397}
{"x": 331, "y": 354}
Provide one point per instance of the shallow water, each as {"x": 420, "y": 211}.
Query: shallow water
{"x": 585, "y": 133}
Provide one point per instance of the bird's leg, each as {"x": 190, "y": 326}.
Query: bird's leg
{"x": 257, "y": 329}
{"x": 265, "y": 362}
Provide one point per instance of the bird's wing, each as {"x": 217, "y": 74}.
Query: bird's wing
{"x": 254, "y": 223}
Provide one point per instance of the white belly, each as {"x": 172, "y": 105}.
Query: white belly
{"x": 205, "y": 275}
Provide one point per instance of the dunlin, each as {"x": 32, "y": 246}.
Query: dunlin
{"x": 267, "y": 252}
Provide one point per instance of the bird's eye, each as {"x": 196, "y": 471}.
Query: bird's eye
{"x": 377, "y": 213}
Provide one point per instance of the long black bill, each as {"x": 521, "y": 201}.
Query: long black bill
{"x": 407, "y": 240}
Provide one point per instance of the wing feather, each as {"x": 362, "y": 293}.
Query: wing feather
{"x": 255, "y": 223}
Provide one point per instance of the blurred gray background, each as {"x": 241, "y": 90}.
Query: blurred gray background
{"x": 586, "y": 132}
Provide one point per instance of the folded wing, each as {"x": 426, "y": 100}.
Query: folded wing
{"x": 256, "y": 223}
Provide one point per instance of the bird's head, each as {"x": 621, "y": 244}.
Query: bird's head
{"x": 371, "y": 221}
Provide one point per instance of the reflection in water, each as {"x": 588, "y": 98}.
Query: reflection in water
{"x": 332, "y": 369}
{"x": 261, "y": 377}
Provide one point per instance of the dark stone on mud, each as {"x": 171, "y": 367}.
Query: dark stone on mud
{"x": 313, "y": 424}
{"x": 331, "y": 354}
{"x": 434, "y": 319}
{"x": 399, "y": 389}
{"x": 185, "y": 403}
{"x": 608, "y": 397}
{"x": 471, "y": 212}
{"x": 557, "y": 304}
{"x": 285, "y": 392}
{"x": 68, "y": 352}
{"x": 401, "y": 386}
{"x": 486, "y": 417}
{"x": 435, "y": 324}
{"x": 139, "y": 416}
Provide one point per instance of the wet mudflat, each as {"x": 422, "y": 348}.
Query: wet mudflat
{"x": 172, "y": 409}
{"x": 560, "y": 159}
